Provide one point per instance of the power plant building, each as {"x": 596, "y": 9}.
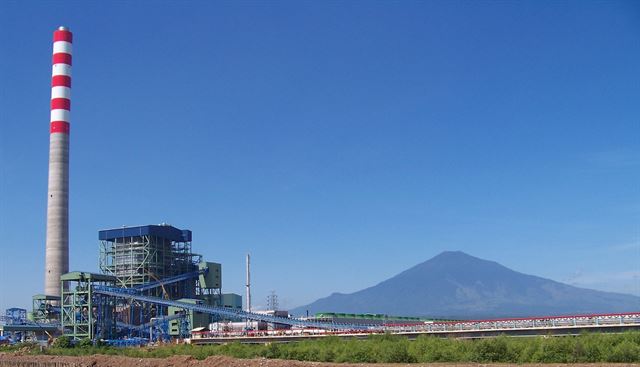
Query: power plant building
{"x": 140, "y": 255}
{"x": 153, "y": 261}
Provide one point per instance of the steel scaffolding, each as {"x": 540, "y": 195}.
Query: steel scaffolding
{"x": 157, "y": 261}
{"x": 152, "y": 261}
{"x": 142, "y": 259}
{"x": 86, "y": 314}
{"x": 46, "y": 309}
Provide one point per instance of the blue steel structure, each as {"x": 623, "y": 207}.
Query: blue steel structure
{"x": 15, "y": 326}
{"x": 227, "y": 312}
{"x": 170, "y": 280}
{"x": 146, "y": 270}
{"x": 157, "y": 327}
{"x": 156, "y": 261}
{"x": 142, "y": 255}
{"x": 16, "y": 316}
{"x": 163, "y": 231}
{"x": 124, "y": 343}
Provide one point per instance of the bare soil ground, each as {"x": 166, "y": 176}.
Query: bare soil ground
{"x": 221, "y": 361}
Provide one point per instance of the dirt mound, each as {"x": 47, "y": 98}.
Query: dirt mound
{"x": 98, "y": 361}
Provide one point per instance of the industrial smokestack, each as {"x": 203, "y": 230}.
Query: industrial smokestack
{"x": 57, "y": 245}
{"x": 248, "y": 283}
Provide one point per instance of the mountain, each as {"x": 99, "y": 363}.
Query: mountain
{"x": 456, "y": 285}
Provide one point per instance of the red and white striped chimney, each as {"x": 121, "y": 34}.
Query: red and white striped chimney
{"x": 57, "y": 245}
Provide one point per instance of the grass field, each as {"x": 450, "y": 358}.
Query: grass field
{"x": 586, "y": 348}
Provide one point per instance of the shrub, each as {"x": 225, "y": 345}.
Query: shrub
{"x": 491, "y": 350}
{"x": 237, "y": 350}
{"x": 394, "y": 351}
{"x": 272, "y": 351}
{"x": 356, "y": 351}
{"x": 62, "y": 342}
{"x": 388, "y": 348}
{"x": 428, "y": 349}
{"x": 85, "y": 343}
{"x": 625, "y": 352}
{"x": 554, "y": 350}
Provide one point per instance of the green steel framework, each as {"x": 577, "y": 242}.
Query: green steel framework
{"x": 85, "y": 314}
{"x": 46, "y": 309}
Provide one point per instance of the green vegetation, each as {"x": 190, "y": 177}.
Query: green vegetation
{"x": 62, "y": 342}
{"x": 24, "y": 348}
{"x": 585, "y": 348}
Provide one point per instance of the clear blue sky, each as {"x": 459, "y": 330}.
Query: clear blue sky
{"x": 339, "y": 142}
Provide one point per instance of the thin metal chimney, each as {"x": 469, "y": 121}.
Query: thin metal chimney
{"x": 248, "y": 283}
